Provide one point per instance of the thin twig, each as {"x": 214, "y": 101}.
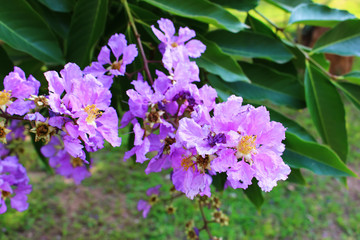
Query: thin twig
{"x": 137, "y": 35}
{"x": 205, "y": 227}
{"x": 306, "y": 55}
{"x": 269, "y": 21}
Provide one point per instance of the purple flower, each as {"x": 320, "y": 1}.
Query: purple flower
{"x": 63, "y": 161}
{"x": 254, "y": 140}
{"x": 118, "y": 46}
{"x": 176, "y": 48}
{"x": 17, "y": 86}
{"x": 145, "y": 206}
{"x": 87, "y": 101}
{"x": 14, "y": 184}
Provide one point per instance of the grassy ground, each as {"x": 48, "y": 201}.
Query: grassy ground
{"x": 104, "y": 207}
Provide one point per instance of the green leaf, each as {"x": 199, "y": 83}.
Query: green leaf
{"x": 6, "y": 64}
{"x": 251, "y": 45}
{"x": 295, "y": 176}
{"x": 201, "y": 10}
{"x": 254, "y": 194}
{"x": 253, "y": 92}
{"x": 218, "y": 181}
{"x": 326, "y": 109}
{"x": 318, "y": 15}
{"x": 344, "y": 39}
{"x": 352, "y": 92}
{"x": 274, "y": 80}
{"x": 313, "y": 156}
{"x": 353, "y": 77}
{"x": 287, "y": 5}
{"x": 241, "y": 5}
{"x": 57, "y": 21}
{"x": 23, "y": 29}
{"x": 291, "y": 126}
{"x": 87, "y": 25}
{"x": 59, "y": 5}
{"x": 217, "y": 62}
{"x": 258, "y": 26}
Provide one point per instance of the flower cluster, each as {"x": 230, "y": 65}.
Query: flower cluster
{"x": 192, "y": 134}
{"x": 74, "y": 118}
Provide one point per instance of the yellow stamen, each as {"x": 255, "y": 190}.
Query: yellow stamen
{"x": 4, "y": 97}
{"x": 174, "y": 45}
{"x": 187, "y": 163}
{"x": 93, "y": 113}
{"x": 247, "y": 147}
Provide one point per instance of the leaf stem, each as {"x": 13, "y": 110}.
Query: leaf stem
{"x": 137, "y": 36}
{"x": 306, "y": 55}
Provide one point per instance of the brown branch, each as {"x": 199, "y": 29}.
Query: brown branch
{"x": 137, "y": 36}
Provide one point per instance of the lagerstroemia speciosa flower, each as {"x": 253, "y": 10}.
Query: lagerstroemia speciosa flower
{"x": 104, "y": 68}
{"x": 192, "y": 134}
{"x": 14, "y": 184}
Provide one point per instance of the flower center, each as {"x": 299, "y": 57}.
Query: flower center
{"x": 76, "y": 162}
{"x": 168, "y": 142}
{"x": 174, "y": 45}
{"x": 117, "y": 65}
{"x": 153, "y": 199}
{"x": 93, "y": 113}
{"x": 246, "y": 147}
{"x": 203, "y": 163}
{"x": 187, "y": 163}
{"x": 5, "y": 97}
{"x": 5, "y": 194}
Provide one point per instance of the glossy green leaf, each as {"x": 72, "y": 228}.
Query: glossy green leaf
{"x": 326, "y": 109}
{"x": 353, "y": 77}
{"x": 59, "y": 22}
{"x": 352, "y": 91}
{"x": 259, "y": 27}
{"x": 254, "y": 194}
{"x": 6, "y": 64}
{"x": 344, "y": 39}
{"x": 291, "y": 126}
{"x": 217, "y": 62}
{"x": 241, "y": 5}
{"x": 23, "y": 29}
{"x": 87, "y": 25}
{"x": 287, "y": 5}
{"x": 318, "y": 15}
{"x": 253, "y": 92}
{"x": 201, "y": 10}
{"x": 313, "y": 156}
{"x": 251, "y": 45}
{"x": 274, "y": 80}
{"x": 296, "y": 176}
{"x": 59, "y": 5}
